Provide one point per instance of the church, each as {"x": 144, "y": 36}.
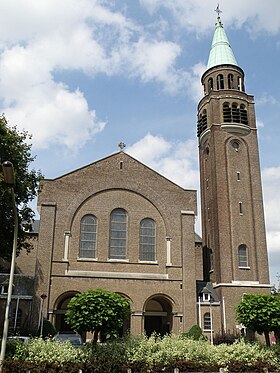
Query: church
{"x": 118, "y": 225}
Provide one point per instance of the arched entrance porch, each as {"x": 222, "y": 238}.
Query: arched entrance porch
{"x": 60, "y": 310}
{"x": 158, "y": 317}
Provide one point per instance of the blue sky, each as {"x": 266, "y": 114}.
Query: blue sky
{"x": 83, "y": 75}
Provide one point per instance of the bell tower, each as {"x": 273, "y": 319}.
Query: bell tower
{"x": 233, "y": 227}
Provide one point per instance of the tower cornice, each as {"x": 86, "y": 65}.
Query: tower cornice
{"x": 217, "y": 69}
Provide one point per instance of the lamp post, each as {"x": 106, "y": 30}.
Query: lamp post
{"x": 211, "y": 321}
{"x": 9, "y": 179}
{"x": 43, "y": 297}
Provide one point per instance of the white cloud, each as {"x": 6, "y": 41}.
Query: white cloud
{"x": 56, "y": 117}
{"x": 271, "y": 182}
{"x": 266, "y": 99}
{"x": 93, "y": 37}
{"x": 195, "y": 15}
{"x": 260, "y": 124}
{"x": 177, "y": 161}
{"x": 85, "y": 36}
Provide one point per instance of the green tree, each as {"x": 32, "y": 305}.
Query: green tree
{"x": 97, "y": 311}
{"x": 14, "y": 148}
{"x": 260, "y": 313}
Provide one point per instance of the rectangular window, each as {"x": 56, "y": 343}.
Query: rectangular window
{"x": 240, "y": 208}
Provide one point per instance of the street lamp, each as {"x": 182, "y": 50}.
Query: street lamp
{"x": 211, "y": 321}
{"x": 43, "y": 297}
{"x": 9, "y": 179}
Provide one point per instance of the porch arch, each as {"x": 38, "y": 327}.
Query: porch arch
{"x": 60, "y": 309}
{"x": 158, "y": 316}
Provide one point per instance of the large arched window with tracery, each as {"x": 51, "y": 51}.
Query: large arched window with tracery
{"x": 88, "y": 237}
{"x": 148, "y": 240}
{"x": 118, "y": 234}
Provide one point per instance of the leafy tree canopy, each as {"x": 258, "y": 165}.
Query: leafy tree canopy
{"x": 14, "y": 148}
{"x": 97, "y": 311}
{"x": 260, "y": 313}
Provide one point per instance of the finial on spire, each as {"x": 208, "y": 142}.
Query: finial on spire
{"x": 121, "y": 146}
{"x": 218, "y": 10}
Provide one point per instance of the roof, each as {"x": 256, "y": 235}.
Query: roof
{"x": 206, "y": 287}
{"x": 221, "y": 52}
{"x": 115, "y": 155}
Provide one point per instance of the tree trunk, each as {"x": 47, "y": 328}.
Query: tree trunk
{"x": 95, "y": 337}
{"x": 267, "y": 339}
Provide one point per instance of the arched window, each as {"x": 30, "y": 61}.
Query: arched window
{"x": 88, "y": 237}
{"x": 118, "y": 234}
{"x": 207, "y": 321}
{"x": 243, "y": 114}
{"x": 230, "y": 81}
{"x": 226, "y": 112}
{"x": 220, "y": 82}
{"x": 210, "y": 85}
{"x": 202, "y": 122}
{"x": 147, "y": 240}
{"x": 235, "y": 113}
{"x": 243, "y": 256}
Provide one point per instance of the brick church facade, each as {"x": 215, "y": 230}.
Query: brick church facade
{"x": 118, "y": 225}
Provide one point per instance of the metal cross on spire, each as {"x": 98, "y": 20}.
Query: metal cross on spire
{"x": 218, "y": 10}
{"x": 121, "y": 146}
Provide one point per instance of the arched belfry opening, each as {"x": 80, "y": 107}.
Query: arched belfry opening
{"x": 158, "y": 317}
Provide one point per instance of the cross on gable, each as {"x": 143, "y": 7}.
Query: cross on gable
{"x": 121, "y": 146}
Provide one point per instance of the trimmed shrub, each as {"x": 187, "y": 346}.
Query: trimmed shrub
{"x": 227, "y": 338}
{"x": 48, "y": 329}
{"x": 142, "y": 355}
{"x": 108, "y": 357}
{"x": 195, "y": 333}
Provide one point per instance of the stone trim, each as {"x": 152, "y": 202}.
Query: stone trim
{"x": 249, "y": 284}
{"x": 124, "y": 275}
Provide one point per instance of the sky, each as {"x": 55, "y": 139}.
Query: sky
{"x": 83, "y": 75}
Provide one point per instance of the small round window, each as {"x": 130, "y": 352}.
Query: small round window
{"x": 235, "y": 145}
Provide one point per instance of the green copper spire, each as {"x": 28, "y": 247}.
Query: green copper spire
{"x": 221, "y": 52}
